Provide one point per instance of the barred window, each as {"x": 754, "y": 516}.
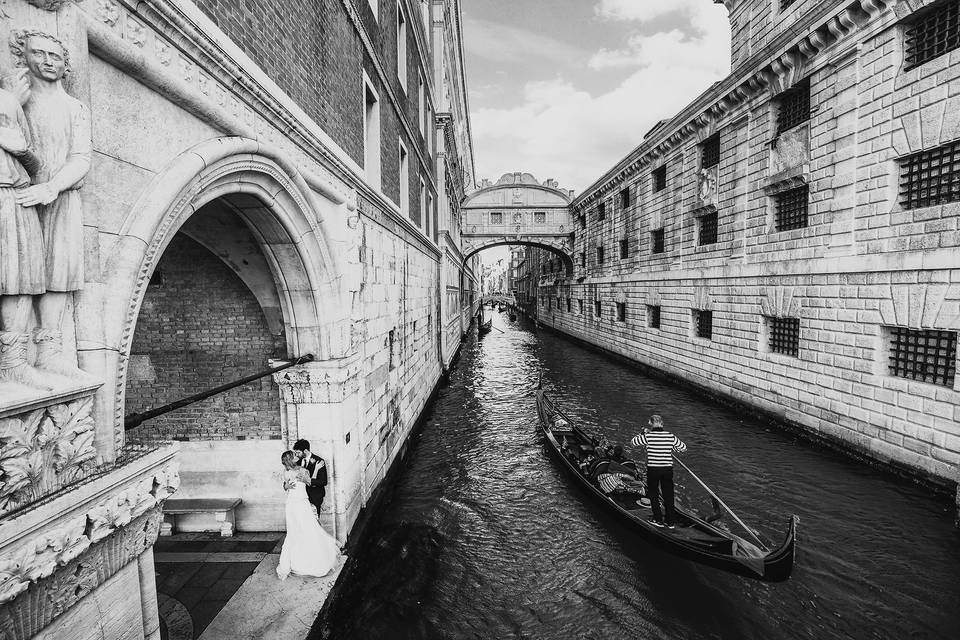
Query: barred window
{"x": 793, "y": 106}
{"x": 659, "y": 178}
{"x": 625, "y": 197}
{"x": 580, "y": 306}
{"x": 656, "y": 241}
{"x": 708, "y": 228}
{"x": 568, "y": 305}
{"x": 703, "y": 323}
{"x": 621, "y": 311}
{"x": 925, "y": 355}
{"x": 710, "y": 152}
{"x": 599, "y": 255}
{"x": 624, "y": 248}
{"x": 653, "y": 316}
{"x": 583, "y": 221}
{"x": 930, "y": 177}
{"x": 784, "y": 336}
{"x": 496, "y": 218}
{"x": 559, "y": 302}
{"x": 791, "y": 208}
{"x": 602, "y": 211}
{"x": 583, "y": 259}
{"x": 540, "y": 217}
{"x": 596, "y": 308}
{"x": 932, "y": 33}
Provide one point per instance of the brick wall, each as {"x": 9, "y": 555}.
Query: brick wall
{"x": 200, "y": 327}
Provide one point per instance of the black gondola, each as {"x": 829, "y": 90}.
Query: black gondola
{"x": 484, "y": 328}
{"x": 694, "y": 538}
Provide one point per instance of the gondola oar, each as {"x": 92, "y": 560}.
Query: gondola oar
{"x": 717, "y": 498}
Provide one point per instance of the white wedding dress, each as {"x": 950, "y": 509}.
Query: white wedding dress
{"x": 308, "y": 550}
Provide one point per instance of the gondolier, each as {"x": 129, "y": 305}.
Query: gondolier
{"x": 660, "y": 445}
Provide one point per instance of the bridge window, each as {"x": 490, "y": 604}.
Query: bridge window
{"x": 930, "y": 177}
{"x": 371, "y": 133}
{"x": 791, "y": 208}
{"x": 496, "y": 218}
{"x": 793, "y": 106}
{"x": 580, "y": 306}
{"x": 710, "y": 152}
{"x": 602, "y": 211}
{"x": 599, "y": 255}
{"x": 933, "y": 33}
{"x": 703, "y": 323}
{"x": 401, "y": 47}
{"x": 597, "y": 311}
{"x": 707, "y": 224}
{"x": 621, "y": 312}
{"x": 925, "y": 355}
{"x": 624, "y": 249}
{"x": 783, "y": 336}
{"x": 659, "y": 178}
{"x": 625, "y": 197}
{"x": 657, "y": 241}
{"x": 653, "y": 316}
{"x": 540, "y": 217}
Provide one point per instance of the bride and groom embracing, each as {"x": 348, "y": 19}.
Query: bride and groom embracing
{"x": 307, "y": 550}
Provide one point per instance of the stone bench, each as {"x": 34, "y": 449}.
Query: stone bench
{"x": 221, "y": 508}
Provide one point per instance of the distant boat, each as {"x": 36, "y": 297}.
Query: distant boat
{"x": 694, "y": 538}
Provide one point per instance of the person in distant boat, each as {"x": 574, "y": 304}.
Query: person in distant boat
{"x": 660, "y": 445}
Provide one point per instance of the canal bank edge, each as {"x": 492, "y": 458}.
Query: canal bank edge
{"x": 938, "y": 485}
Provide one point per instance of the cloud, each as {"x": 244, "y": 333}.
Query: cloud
{"x": 562, "y": 131}
{"x": 502, "y": 43}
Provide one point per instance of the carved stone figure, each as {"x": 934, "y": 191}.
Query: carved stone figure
{"x": 60, "y": 128}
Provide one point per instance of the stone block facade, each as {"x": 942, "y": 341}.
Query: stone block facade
{"x": 781, "y": 208}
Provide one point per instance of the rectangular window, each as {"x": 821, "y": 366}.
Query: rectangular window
{"x": 404, "y": 181}
{"x": 710, "y": 152}
{"x": 371, "y": 134}
{"x": 624, "y": 249}
{"x": 428, "y": 133}
{"x": 925, "y": 355}
{"x": 621, "y": 312}
{"x": 791, "y": 208}
{"x": 707, "y": 224}
{"x": 583, "y": 221}
{"x": 602, "y": 211}
{"x": 783, "y": 336}
{"x": 703, "y": 323}
{"x": 539, "y": 217}
{"x": 657, "y": 241}
{"x": 568, "y": 305}
{"x": 930, "y": 177}
{"x": 599, "y": 255}
{"x": 401, "y": 47}
{"x": 793, "y": 106}
{"x": 496, "y": 218}
{"x": 583, "y": 259}
{"x": 424, "y": 221}
{"x": 559, "y": 303}
{"x": 432, "y": 216}
{"x": 580, "y": 306}
{"x": 653, "y": 316}
{"x": 625, "y": 197}
{"x": 934, "y": 32}
{"x": 596, "y": 308}
{"x": 422, "y": 105}
{"x": 659, "y": 179}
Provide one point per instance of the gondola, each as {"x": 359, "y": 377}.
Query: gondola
{"x": 693, "y": 538}
{"x": 484, "y": 328}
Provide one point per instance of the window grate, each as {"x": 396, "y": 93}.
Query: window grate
{"x": 540, "y": 217}
{"x": 580, "y": 306}
{"x": 704, "y": 323}
{"x": 932, "y": 34}
{"x": 931, "y": 177}
{"x": 583, "y": 259}
{"x": 621, "y": 311}
{"x": 791, "y": 208}
{"x": 602, "y": 211}
{"x": 568, "y": 305}
{"x": 496, "y": 218}
{"x": 625, "y": 197}
{"x": 784, "y": 336}
{"x": 659, "y": 178}
{"x": 793, "y": 106}
{"x": 596, "y": 308}
{"x": 583, "y": 221}
{"x": 924, "y": 355}
{"x": 653, "y": 316}
{"x": 657, "y": 241}
{"x": 624, "y": 248}
{"x": 710, "y": 152}
{"x": 599, "y": 255}
{"x": 708, "y": 228}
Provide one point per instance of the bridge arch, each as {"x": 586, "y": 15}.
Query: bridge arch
{"x": 562, "y": 248}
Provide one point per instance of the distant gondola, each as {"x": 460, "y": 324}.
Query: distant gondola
{"x": 693, "y": 538}
{"x": 484, "y": 329}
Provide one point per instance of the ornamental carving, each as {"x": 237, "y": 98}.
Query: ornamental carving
{"x": 707, "y": 181}
{"x": 779, "y": 302}
{"x": 43, "y": 450}
{"x": 922, "y": 306}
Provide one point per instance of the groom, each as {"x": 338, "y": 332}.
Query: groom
{"x": 317, "y": 469}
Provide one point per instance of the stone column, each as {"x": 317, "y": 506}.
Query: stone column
{"x": 148, "y": 595}
{"x": 322, "y": 404}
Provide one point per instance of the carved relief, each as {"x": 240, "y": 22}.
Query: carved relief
{"x": 702, "y": 299}
{"x": 780, "y": 303}
{"x": 707, "y": 181}
{"x": 43, "y": 450}
{"x": 924, "y": 306}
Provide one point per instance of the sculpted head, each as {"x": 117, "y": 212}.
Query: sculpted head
{"x": 44, "y": 55}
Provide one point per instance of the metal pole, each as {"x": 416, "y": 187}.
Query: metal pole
{"x": 135, "y": 419}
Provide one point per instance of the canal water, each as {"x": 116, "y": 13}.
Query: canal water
{"x": 484, "y": 537}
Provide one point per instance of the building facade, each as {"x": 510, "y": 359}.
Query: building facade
{"x": 238, "y": 182}
{"x": 790, "y": 239}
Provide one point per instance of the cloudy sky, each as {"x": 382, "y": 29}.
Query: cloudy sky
{"x": 565, "y": 88}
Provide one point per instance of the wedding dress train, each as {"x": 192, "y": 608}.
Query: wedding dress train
{"x": 308, "y": 550}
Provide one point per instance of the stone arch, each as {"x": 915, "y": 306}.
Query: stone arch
{"x": 558, "y": 246}
{"x": 284, "y": 215}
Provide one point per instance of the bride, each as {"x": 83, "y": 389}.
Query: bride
{"x": 308, "y": 550}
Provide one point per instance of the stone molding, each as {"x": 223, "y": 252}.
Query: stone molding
{"x": 701, "y": 299}
{"x": 323, "y": 382}
{"x": 653, "y": 298}
{"x": 779, "y": 302}
{"x": 777, "y": 75}
{"x": 922, "y": 306}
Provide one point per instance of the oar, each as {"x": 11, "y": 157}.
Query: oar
{"x": 717, "y": 498}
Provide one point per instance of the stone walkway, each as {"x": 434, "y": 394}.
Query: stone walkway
{"x": 211, "y": 588}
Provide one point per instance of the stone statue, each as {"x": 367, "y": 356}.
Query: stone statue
{"x": 60, "y": 130}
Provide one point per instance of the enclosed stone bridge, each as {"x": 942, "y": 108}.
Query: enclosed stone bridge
{"x": 518, "y": 210}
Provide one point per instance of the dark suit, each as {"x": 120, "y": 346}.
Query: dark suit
{"x": 317, "y": 488}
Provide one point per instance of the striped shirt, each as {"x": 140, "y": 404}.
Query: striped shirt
{"x": 660, "y": 447}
